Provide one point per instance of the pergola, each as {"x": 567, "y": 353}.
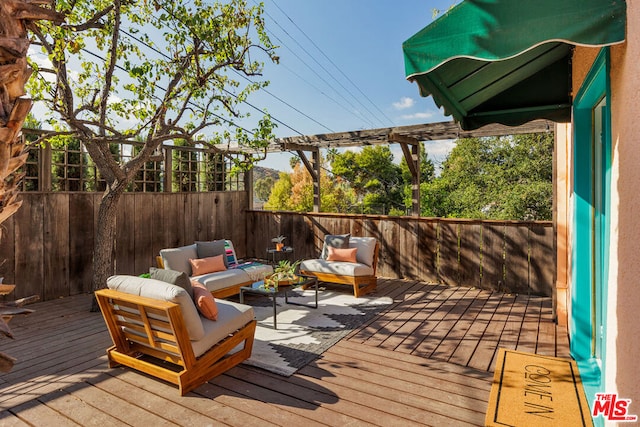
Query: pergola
{"x": 409, "y": 138}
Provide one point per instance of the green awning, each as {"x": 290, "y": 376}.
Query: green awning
{"x": 508, "y": 61}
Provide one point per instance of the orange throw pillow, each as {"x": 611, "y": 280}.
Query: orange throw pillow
{"x": 337, "y": 254}
{"x": 202, "y": 266}
{"x": 204, "y": 301}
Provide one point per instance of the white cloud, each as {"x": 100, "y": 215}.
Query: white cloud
{"x": 404, "y": 103}
{"x": 418, "y": 116}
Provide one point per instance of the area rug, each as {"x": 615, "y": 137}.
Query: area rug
{"x": 533, "y": 390}
{"x": 304, "y": 333}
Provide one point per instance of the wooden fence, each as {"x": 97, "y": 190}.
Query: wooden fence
{"x": 512, "y": 256}
{"x": 47, "y": 247}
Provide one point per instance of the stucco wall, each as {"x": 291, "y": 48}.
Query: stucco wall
{"x": 623, "y": 344}
{"x": 622, "y": 372}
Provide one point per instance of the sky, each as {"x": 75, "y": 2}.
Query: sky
{"x": 342, "y": 69}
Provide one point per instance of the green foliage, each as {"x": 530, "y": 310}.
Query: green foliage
{"x": 280, "y": 194}
{"x": 495, "y": 178}
{"x": 263, "y": 187}
{"x": 371, "y": 173}
{"x": 155, "y": 71}
{"x": 294, "y": 192}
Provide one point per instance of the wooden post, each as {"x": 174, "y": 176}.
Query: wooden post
{"x": 313, "y": 168}
{"x": 248, "y": 187}
{"x": 168, "y": 169}
{"x": 316, "y": 180}
{"x": 412, "y": 157}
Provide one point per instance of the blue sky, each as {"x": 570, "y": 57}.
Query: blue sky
{"x": 341, "y": 64}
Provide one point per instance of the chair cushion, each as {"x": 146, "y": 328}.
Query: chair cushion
{"x": 340, "y": 241}
{"x": 223, "y": 279}
{"x": 174, "y": 277}
{"x": 336, "y": 267}
{"x": 337, "y": 254}
{"x": 212, "y": 264}
{"x": 213, "y": 248}
{"x": 231, "y": 317}
{"x": 162, "y": 291}
{"x": 178, "y": 258}
{"x": 366, "y": 249}
{"x": 204, "y": 301}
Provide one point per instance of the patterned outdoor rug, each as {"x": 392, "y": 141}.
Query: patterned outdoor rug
{"x": 304, "y": 333}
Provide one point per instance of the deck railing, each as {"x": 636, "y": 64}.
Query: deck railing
{"x": 513, "y": 256}
{"x": 46, "y": 248}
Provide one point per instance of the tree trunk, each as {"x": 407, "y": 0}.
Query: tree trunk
{"x": 104, "y": 245}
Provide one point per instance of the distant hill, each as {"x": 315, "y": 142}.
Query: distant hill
{"x": 259, "y": 172}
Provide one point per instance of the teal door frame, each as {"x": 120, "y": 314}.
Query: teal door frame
{"x": 592, "y": 184}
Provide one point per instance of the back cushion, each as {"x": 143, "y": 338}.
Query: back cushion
{"x": 340, "y": 241}
{"x": 366, "y": 248}
{"x": 162, "y": 291}
{"x": 174, "y": 277}
{"x": 210, "y": 249}
{"x": 178, "y": 258}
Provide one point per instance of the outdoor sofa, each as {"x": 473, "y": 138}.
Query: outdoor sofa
{"x": 222, "y": 283}
{"x": 347, "y": 260}
{"x": 156, "y": 328}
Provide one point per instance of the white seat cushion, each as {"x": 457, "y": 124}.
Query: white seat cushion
{"x": 231, "y": 317}
{"x": 223, "y": 279}
{"x": 336, "y": 267}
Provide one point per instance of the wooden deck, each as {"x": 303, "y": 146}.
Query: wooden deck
{"x": 427, "y": 360}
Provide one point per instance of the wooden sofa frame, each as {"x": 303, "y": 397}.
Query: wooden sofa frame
{"x": 161, "y": 336}
{"x": 362, "y": 285}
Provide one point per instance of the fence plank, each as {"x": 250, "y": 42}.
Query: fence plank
{"x": 470, "y": 242}
{"x": 427, "y": 251}
{"x": 516, "y": 258}
{"x": 56, "y": 245}
{"x": 542, "y": 258}
{"x": 143, "y": 233}
{"x": 29, "y": 248}
{"x": 448, "y": 259}
{"x": 492, "y": 256}
{"x": 81, "y": 240}
{"x": 125, "y": 235}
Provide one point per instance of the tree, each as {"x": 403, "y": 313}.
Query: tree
{"x": 376, "y": 180}
{"x": 157, "y": 71}
{"x": 294, "y": 192}
{"x": 263, "y": 187}
{"x": 495, "y": 178}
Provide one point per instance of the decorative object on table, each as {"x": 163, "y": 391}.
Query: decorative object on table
{"x": 279, "y": 242}
{"x": 271, "y": 290}
{"x": 283, "y": 274}
{"x": 304, "y": 333}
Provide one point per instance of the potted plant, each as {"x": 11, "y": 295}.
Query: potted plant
{"x": 278, "y": 241}
{"x": 283, "y": 274}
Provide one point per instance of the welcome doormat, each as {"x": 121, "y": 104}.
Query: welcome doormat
{"x": 532, "y": 390}
{"x": 304, "y": 333}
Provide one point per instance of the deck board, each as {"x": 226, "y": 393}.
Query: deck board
{"x": 425, "y": 360}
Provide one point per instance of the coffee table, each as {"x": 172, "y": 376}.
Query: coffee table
{"x": 258, "y": 288}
